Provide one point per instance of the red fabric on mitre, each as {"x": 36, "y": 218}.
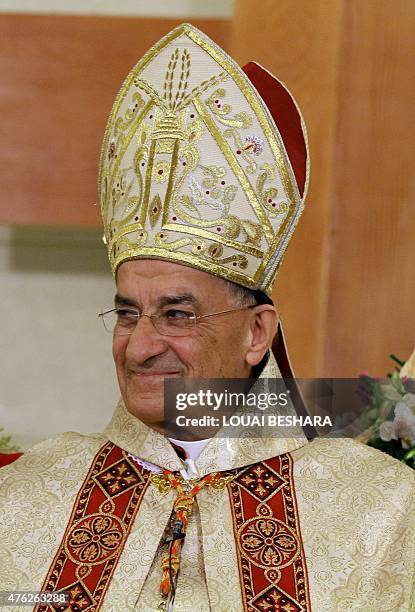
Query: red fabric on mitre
{"x": 286, "y": 116}
{"x": 6, "y": 458}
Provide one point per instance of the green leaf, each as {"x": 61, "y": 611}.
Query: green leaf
{"x": 397, "y": 360}
{"x": 5, "y": 444}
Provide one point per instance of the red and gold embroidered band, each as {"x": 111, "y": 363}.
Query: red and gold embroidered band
{"x": 97, "y": 530}
{"x": 272, "y": 566}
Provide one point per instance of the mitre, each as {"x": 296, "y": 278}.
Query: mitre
{"x": 203, "y": 163}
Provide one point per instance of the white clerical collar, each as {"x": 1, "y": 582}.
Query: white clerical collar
{"x": 192, "y": 449}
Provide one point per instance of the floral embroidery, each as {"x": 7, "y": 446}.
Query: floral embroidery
{"x": 161, "y": 171}
{"x": 254, "y": 144}
{"x": 95, "y": 539}
{"x": 268, "y": 542}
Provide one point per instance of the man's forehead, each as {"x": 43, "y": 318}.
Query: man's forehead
{"x": 157, "y": 277}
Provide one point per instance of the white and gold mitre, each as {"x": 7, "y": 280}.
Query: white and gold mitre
{"x": 194, "y": 169}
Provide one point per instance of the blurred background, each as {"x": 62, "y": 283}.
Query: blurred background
{"x": 346, "y": 291}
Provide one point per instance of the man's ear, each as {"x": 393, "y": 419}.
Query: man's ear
{"x": 263, "y": 328}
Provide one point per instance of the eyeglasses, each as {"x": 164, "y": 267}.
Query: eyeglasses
{"x": 122, "y": 321}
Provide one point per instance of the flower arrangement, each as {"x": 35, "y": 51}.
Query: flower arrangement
{"x": 391, "y": 411}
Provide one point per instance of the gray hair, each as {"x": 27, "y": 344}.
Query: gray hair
{"x": 242, "y": 295}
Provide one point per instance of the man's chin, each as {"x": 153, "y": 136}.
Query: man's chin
{"x": 150, "y": 413}
{"x": 147, "y": 390}
{"x": 144, "y": 397}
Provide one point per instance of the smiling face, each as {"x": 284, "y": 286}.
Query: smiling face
{"x": 226, "y": 346}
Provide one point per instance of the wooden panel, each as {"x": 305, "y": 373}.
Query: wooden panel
{"x": 58, "y": 78}
{"x": 371, "y": 308}
{"x": 299, "y": 42}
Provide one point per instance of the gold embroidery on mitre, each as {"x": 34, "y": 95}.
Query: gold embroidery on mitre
{"x": 193, "y": 169}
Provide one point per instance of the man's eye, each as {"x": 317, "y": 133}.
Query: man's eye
{"x": 123, "y": 314}
{"x": 175, "y": 315}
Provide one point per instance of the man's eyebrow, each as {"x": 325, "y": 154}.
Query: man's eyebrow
{"x": 166, "y": 300}
{"x": 180, "y": 298}
{"x": 121, "y": 300}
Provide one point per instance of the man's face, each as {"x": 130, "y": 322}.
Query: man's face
{"x": 216, "y": 348}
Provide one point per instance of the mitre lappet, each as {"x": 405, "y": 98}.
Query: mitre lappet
{"x": 203, "y": 163}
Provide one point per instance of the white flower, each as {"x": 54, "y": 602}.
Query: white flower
{"x": 402, "y": 427}
{"x": 408, "y": 369}
{"x": 387, "y": 431}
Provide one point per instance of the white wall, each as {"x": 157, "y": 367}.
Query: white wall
{"x": 56, "y": 371}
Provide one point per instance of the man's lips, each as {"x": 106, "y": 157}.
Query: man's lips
{"x": 155, "y": 373}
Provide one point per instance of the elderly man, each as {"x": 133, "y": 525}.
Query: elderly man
{"x": 202, "y": 179}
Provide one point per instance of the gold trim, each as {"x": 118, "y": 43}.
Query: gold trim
{"x": 196, "y": 231}
{"x": 126, "y": 142}
{"x": 134, "y": 227}
{"x": 272, "y": 252}
{"x": 163, "y": 484}
{"x": 184, "y": 259}
{"x": 147, "y": 183}
{"x": 172, "y": 176}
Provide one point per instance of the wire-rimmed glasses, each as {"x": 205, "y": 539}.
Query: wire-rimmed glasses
{"x": 123, "y": 320}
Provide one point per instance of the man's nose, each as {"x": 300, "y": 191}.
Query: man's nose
{"x": 145, "y": 341}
